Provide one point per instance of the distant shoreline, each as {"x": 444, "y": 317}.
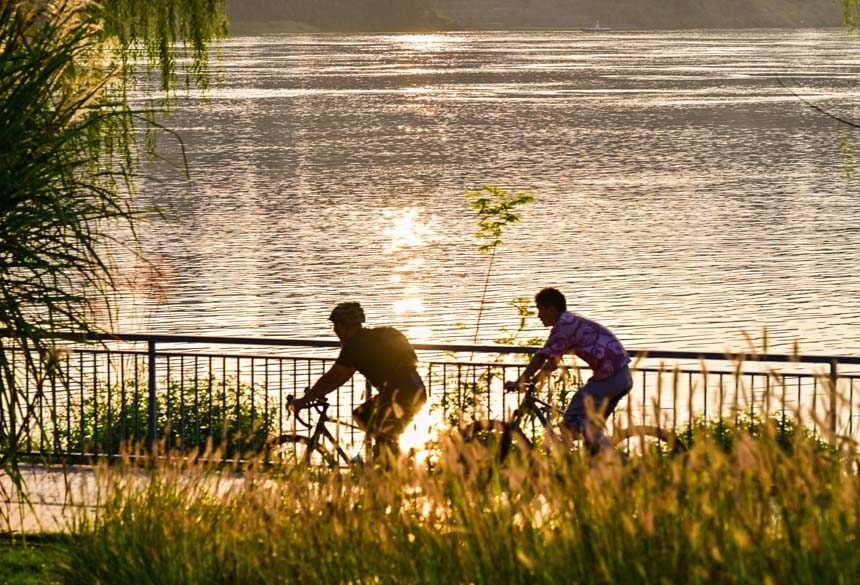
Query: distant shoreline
{"x": 250, "y": 17}
{"x": 241, "y": 29}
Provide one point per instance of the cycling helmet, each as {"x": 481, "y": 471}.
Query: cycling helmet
{"x": 347, "y": 314}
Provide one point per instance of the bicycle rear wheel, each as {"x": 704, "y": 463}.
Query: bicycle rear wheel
{"x": 647, "y": 440}
{"x": 501, "y": 438}
{"x": 294, "y": 449}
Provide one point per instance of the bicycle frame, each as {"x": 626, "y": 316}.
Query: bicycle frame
{"x": 540, "y": 408}
{"x": 319, "y": 436}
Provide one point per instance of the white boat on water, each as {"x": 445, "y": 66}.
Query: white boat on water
{"x": 596, "y": 28}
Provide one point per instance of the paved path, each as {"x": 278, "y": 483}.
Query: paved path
{"x": 57, "y": 494}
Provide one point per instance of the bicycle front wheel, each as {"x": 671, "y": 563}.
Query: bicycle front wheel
{"x": 647, "y": 440}
{"x": 500, "y": 438}
{"x": 293, "y": 449}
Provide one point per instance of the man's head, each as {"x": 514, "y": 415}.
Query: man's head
{"x": 347, "y": 319}
{"x": 550, "y": 304}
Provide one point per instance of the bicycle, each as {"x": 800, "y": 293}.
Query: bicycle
{"x": 319, "y": 447}
{"x": 507, "y": 436}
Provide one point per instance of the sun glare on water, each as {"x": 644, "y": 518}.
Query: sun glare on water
{"x": 421, "y": 433}
{"x": 407, "y": 229}
{"x": 421, "y": 43}
{"x": 408, "y": 232}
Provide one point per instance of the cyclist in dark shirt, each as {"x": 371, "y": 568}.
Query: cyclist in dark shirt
{"x": 387, "y": 360}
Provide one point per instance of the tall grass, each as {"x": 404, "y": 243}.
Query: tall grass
{"x": 757, "y": 511}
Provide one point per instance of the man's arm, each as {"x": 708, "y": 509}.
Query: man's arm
{"x": 533, "y": 372}
{"x": 333, "y": 379}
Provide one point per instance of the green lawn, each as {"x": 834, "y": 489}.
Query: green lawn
{"x": 31, "y": 563}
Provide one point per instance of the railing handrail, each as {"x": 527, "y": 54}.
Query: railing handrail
{"x": 456, "y": 347}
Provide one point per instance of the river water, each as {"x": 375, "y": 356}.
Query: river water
{"x": 686, "y": 196}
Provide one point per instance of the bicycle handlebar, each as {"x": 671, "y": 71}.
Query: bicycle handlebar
{"x": 530, "y": 387}
{"x": 320, "y": 404}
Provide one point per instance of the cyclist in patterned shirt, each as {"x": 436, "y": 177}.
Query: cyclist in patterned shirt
{"x": 594, "y": 344}
{"x": 387, "y": 360}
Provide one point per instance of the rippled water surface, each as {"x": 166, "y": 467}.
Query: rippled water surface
{"x": 686, "y": 196}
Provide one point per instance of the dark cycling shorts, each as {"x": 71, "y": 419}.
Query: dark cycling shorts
{"x": 389, "y": 412}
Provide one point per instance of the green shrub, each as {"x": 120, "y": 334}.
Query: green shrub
{"x": 227, "y": 414}
{"x": 723, "y": 432}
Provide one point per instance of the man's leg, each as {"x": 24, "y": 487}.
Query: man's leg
{"x": 386, "y": 416}
{"x": 365, "y": 413}
{"x": 593, "y": 403}
{"x": 400, "y": 411}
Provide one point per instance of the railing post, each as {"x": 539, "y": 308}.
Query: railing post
{"x": 834, "y": 378}
{"x": 368, "y": 448}
{"x": 153, "y": 410}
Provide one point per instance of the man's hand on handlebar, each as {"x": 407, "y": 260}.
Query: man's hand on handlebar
{"x": 296, "y": 404}
{"x": 514, "y": 385}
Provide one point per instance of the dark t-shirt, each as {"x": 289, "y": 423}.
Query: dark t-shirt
{"x": 383, "y": 355}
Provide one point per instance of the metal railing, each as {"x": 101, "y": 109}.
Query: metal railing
{"x": 178, "y": 392}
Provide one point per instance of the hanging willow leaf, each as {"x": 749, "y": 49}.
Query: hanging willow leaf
{"x": 67, "y": 175}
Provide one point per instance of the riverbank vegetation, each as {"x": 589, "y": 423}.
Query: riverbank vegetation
{"x": 272, "y": 16}
{"x": 754, "y": 512}
{"x": 643, "y": 14}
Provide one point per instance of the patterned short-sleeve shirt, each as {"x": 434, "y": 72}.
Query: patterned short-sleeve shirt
{"x": 591, "y": 341}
